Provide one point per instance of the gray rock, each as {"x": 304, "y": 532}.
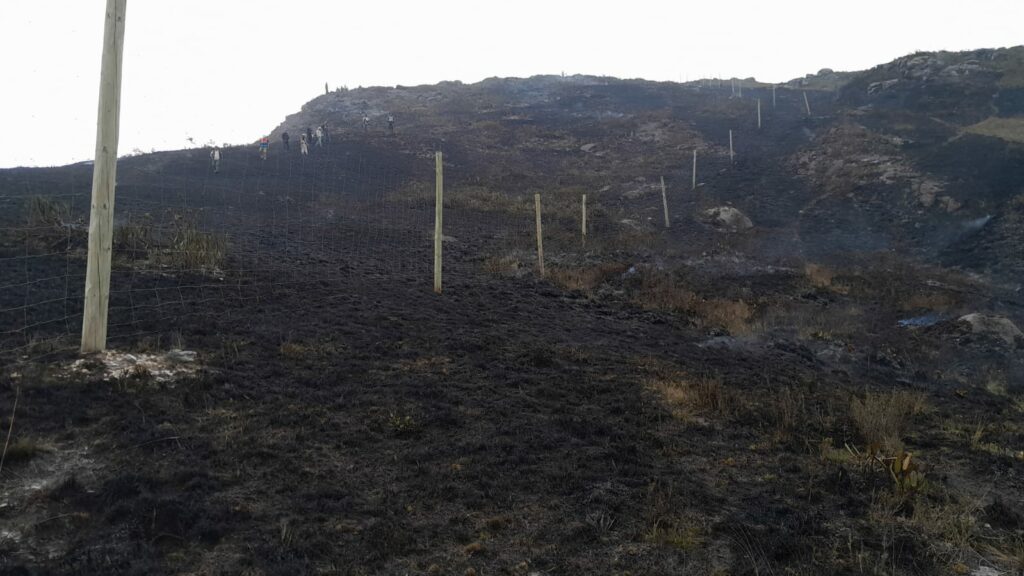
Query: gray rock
{"x": 727, "y": 218}
{"x": 995, "y": 325}
{"x": 876, "y": 87}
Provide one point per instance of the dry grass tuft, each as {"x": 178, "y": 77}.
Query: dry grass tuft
{"x": 193, "y": 250}
{"x": 22, "y": 451}
{"x": 659, "y": 291}
{"x": 819, "y": 276}
{"x": 686, "y": 398}
{"x": 507, "y": 265}
{"x": 47, "y": 212}
{"x": 585, "y": 279}
{"x": 882, "y": 418}
{"x": 1010, "y": 129}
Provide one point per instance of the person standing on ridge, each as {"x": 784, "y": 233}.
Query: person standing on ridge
{"x": 264, "y": 147}
{"x": 285, "y": 138}
{"x": 319, "y": 136}
{"x": 303, "y": 145}
{"x": 366, "y": 123}
{"x": 309, "y": 134}
{"x": 327, "y": 134}
{"x": 391, "y": 123}
{"x": 215, "y": 159}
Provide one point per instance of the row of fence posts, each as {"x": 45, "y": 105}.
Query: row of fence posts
{"x": 438, "y": 215}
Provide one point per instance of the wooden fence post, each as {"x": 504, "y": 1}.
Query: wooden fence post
{"x": 583, "y": 222}
{"x": 540, "y": 236}
{"x": 758, "y": 113}
{"x": 438, "y": 219}
{"x": 664, "y": 201}
{"x": 104, "y": 178}
{"x": 732, "y": 155}
{"x": 693, "y": 186}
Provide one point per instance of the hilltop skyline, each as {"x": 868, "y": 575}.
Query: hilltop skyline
{"x": 239, "y": 68}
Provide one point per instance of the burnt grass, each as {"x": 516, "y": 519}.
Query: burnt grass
{"x": 686, "y": 410}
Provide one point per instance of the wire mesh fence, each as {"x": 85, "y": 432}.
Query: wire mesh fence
{"x": 195, "y": 237}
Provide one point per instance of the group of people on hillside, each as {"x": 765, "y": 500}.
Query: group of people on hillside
{"x": 319, "y": 138}
{"x": 309, "y": 138}
{"x": 390, "y": 123}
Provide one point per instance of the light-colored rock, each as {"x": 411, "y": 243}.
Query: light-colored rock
{"x": 727, "y": 217}
{"x": 995, "y": 325}
{"x": 876, "y": 87}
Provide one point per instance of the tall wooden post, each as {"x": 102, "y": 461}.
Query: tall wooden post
{"x": 540, "y": 236}
{"x": 104, "y": 178}
{"x": 693, "y": 186}
{"x": 758, "y": 113}
{"x": 732, "y": 155}
{"x": 438, "y": 218}
{"x": 583, "y": 220}
{"x": 664, "y": 201}
{"x": 807, "y": 103}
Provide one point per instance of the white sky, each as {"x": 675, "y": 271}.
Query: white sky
{"x": 231, "y": 70}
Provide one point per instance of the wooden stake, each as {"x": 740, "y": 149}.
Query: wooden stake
{"x": 540, "y": 236}
{"x": 438, "y": 219}
{"x": 758, "y": 113}
{"x": 583, "y": 221}
{"x": 807, "y": 103}
{"x": 732, "y": 155}
{"x": 17, "y": 394}
{"x": 694, "y": 185}
{"x": 664, "y": 201}
{"x": 104, "y": 178}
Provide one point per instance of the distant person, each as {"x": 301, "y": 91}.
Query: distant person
{"x": 327, "y": 133}
{"x": 215, "y": 159}
{"x": 285, "y": 138}
{"x": 303, "y": 145}
{"x": 366, "y": 123}
{"x": 391, "y": 123}
{"x": 309, "y": 134}
{"x": 319, "y": 136}
{"x": 264, "y": 147}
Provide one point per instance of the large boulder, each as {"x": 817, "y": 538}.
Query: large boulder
{"x": 994, "y": 325}
{"x": 727, "y": 218}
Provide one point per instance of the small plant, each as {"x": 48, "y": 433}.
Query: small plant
{"x": 906, "y": 475}
{"x": 134, "y": 379}
{"x": 401, "y": 425}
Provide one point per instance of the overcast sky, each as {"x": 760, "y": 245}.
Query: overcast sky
{"x": 231, "y": 70}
